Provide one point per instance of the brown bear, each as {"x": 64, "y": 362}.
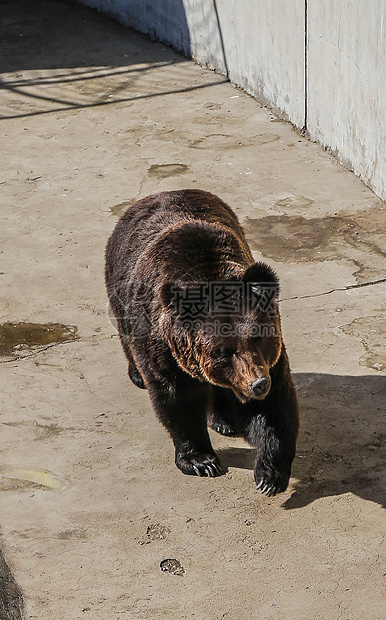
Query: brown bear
{"x": 199, "y": 323}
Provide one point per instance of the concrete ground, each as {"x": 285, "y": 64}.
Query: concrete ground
{"x": 95, "y": 116}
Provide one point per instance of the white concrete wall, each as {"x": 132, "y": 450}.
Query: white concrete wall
{"x": 262, "y": 46}
{"x": 347, "y": 84}
{"x": 259, "y": 45}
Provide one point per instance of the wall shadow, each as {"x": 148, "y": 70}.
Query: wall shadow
{"x": 342, "y": 441}
{"x": 42, "y": 34}
{"x": 221, "y": 38}
{"x": 59, "y": 55}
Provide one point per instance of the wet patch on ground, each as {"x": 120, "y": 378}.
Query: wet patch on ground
{"x": 163, "y": 171}
{"x": 210, "y": 105}
{"x": 172, "y": 566}
{"x": 157, "y": 531}
{"x": 121, "y": 207}
{"x": 226, "y": 141}
{"x": 294, "y": 201}
{"x": 11, "y": 600}
{"x": 297, "y": 239}
{"x": 18, "y": 338}
{"x": 371, "y": 330}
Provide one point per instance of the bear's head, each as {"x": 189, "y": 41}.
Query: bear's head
{"x": 227, "y": 333}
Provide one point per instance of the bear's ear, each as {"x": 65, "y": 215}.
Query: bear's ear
{"x": 262, "y": 287}
{"x": 168, "y": 295}
{"x": 262, "y": 275}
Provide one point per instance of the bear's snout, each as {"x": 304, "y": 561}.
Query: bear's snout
{"x": 261, "y": 387}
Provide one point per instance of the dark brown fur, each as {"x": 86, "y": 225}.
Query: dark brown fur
{"x": 198, "y": 366}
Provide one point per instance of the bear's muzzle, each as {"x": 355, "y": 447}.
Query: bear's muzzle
{"x": 260, "y": 387}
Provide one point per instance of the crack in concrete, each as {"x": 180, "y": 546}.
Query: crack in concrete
{"x": 334, "y": 290}
{"x": 342, "y": 51}
{"x": 108, "y": 336}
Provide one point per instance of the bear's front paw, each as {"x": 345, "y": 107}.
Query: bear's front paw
{"x": 222, "y": 427}
{"x": 136, "y": 377}
{"x": 199, "y": 464}
{"x": 270, "y": 481}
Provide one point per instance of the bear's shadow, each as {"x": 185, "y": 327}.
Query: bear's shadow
{"x": 241, "y": 458}
{"x": 341, "y": 446}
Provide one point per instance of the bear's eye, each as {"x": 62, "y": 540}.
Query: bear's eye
{"x": 257, "y": 340}
{"x": 223, "y": 352}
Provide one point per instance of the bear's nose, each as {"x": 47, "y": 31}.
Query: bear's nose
{"x": 261, "y": 386}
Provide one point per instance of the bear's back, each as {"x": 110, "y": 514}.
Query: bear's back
{"x": 189, "y": 225}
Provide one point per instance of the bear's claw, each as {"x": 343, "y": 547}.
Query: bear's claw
{"x": 271, "y": 483}
{"x": 136, "y": 377}
{"x": 267, "y": 489}
{"x": 218, "y": 424}
{"x": 199, "y": 465}
{"x": 222, "y": 428}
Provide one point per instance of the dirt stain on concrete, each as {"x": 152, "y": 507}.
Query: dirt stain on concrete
{"x": 371, "y": 330}
{"x": 72, "y": 534}
{"x": 15, "y": 338}
{"x": 46, "y": 431}
{"x": 163, "y": 171}
{"x": 297, "y": 239}
{"x": 42, "y": 431}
